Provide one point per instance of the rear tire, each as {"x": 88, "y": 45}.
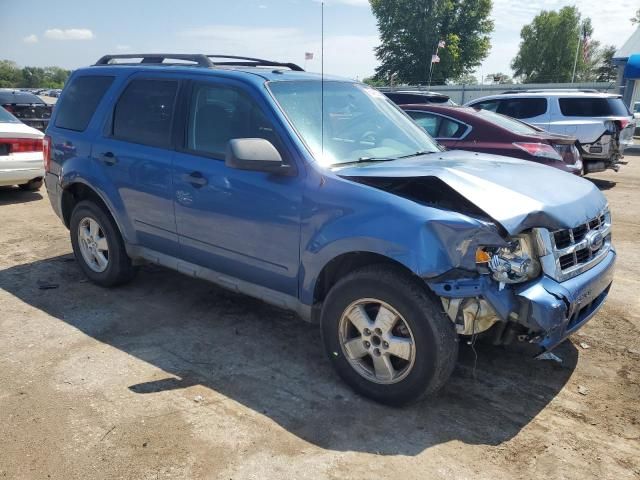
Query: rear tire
{"x": 412, "y": 358}
{"x": 98, "y": 245}
{"x": 31, "y": 186}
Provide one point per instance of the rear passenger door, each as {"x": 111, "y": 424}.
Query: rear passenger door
{"x": 134, "y": 154}
{"x": 242, "y": 224}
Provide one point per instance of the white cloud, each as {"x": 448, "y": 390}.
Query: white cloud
{"x": 611, "y": 26}
{"x": 69, "y": 34}
{"x": 30, "y": 39}
{"x": 123, "y": 48}
{"x": 262, "y": 6}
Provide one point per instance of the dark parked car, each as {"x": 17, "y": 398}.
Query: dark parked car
{"x": 416, "y": 96}
{"x": 464, "y": 128}
{"x": 343, "y": 210}
{"x": 26, "y": 107}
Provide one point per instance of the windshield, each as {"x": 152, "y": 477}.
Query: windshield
{"x": 359, "y": 124}
{"x": 6, "y": 117}
{"x": 510, "y": 124}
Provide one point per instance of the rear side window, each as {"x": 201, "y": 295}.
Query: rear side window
{"x": 593, "y": 107}
{"x": 523, "y": 107}
{"x": 80, "y": 100}
{"x": 491, "y": 105}
{"x": 144, "y": 112}
{"x": 438, "y": 126}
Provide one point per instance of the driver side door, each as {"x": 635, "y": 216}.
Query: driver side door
{"x": 242, "y": 224}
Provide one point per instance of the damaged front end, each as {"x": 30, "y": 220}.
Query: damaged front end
{"x": 519, "y": 273}
{"x": 567, "y": 277}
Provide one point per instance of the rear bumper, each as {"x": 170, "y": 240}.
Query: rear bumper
{"x": 19, "y": 176}
{"x": 555, "y": 310}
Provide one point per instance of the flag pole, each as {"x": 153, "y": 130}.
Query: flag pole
{"x": 575, "y": 61}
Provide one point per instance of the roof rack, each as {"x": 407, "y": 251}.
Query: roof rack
{"x": 543, "y": 90}
{"x": 157, "y": 58}
{"x": 252, "y": 62}
{"x": 198, "y": 60}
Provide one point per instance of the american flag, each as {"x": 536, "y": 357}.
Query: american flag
{"x": 441, "y": 44}
{"x": 435, "y": 59}
{"x": 586, "y": 44}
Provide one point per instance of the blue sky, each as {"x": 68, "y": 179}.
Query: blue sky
{"x": 73, "y": 33}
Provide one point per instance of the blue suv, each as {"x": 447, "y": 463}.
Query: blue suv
{"x": 319, "y": 195}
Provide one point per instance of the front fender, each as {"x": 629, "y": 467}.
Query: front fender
{"x": 360, "y": 219}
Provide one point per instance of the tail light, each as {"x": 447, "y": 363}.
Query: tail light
{"x": 540, "y": 150}
{"x": 8, "y": 108}
{"x": 20, "y": 145}
{"x": 623, "y": 122}
{"x": 46, "y": 152}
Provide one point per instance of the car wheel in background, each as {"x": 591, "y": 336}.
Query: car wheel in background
{"x": 32, "y": 185}
{"x": 387, "y": 335}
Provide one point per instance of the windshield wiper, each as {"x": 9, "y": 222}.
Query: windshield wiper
{"x": 364, "y": 160}
{"x": 416, "y": 154}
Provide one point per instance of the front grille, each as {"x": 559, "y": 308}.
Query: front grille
{"x": 574, "y": 248}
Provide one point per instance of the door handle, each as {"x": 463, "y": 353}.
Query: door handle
{"x": 196, "y": 179}
{"x": 108, "y": 158}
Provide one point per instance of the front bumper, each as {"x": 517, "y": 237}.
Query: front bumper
{"x": 555, "y": 310}
{"x": 548, "y": 310}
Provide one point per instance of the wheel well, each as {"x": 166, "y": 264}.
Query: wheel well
{"x": 76, "y": 193}
{"x": 344, "y": 264}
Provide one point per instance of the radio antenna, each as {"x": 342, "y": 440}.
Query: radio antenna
{"x": 322, "y": 78}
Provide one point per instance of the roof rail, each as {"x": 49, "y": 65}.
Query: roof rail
{"x": 233, "y": 60}
{"x": 542, "y": 90}
{"x": 157, "y": 58}
{"x": 198, "y": 59}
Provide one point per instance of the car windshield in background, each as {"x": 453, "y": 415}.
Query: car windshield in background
{"x": 6, "y": 117}
{"x": 16, "y": 96}
{"x": 360, "y": 123}
{"x": 513, "y": 126}
{"x": 593, "y": 107}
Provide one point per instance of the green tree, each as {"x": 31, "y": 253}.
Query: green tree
{"x": 606, "y": 70}
{"x": 411, "y": 29}
{"x": 10, "y": 74}
{"x": 465, "y": 79}
{"x": 375, "y": 82}
{"x": 548, "y": 47}
{"x": 498, "y": 78}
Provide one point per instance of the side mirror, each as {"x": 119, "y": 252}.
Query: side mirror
{"x": 256, "y": 154}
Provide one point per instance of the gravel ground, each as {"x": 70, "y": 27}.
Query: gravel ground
{"x": 171, "y": 377}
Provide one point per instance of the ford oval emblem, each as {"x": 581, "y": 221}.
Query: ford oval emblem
{"x": 594, "y": 240}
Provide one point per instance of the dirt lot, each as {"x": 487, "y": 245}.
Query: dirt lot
{"x": 170, "y": 377}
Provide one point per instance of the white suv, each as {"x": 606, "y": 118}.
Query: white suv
{"x": 601, "y": 122}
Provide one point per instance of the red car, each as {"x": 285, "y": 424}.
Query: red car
{"x": 465, "y": 128}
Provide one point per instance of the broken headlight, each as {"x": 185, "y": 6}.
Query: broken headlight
{"x": 517, "y": 262}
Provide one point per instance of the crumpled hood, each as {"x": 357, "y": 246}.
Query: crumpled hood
{"x": 516, "y": 193}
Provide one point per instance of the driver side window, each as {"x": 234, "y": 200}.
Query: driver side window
{"x": 219, "y": 113}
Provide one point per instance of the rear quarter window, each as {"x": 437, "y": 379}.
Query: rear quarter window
{"x": 79, "y": 102}
{"x": 593, "y": 107}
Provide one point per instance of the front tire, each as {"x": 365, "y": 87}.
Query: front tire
{"x": 98, "y": 246}
{"x": 387, "y": 336}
